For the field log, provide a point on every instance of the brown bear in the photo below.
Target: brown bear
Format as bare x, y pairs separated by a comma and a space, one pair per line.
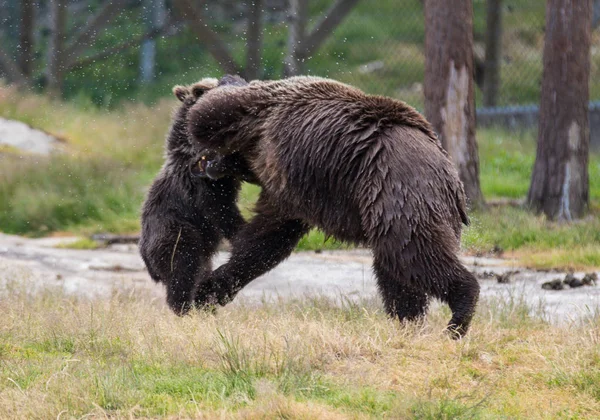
364, 169
186, 214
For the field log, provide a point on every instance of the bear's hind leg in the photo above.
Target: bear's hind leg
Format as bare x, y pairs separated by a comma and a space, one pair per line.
462, 298
441, 273
400, 299
408, 278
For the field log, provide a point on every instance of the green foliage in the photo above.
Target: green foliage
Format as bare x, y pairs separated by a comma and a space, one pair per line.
115, 78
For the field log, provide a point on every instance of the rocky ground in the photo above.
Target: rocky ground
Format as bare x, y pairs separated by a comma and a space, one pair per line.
38, 263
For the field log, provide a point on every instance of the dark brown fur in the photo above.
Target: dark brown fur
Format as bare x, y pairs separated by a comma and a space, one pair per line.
364, 169
185, 216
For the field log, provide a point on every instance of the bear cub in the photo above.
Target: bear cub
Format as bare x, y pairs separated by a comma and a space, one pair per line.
186, 214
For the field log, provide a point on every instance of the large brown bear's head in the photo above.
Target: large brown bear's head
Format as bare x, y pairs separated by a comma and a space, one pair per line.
202, 163
213, 121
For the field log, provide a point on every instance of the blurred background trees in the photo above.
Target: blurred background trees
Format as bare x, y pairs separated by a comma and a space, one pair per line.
135, 49
65, 47
99, 53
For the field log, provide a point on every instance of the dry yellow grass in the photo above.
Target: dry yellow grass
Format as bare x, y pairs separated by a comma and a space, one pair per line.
128, 356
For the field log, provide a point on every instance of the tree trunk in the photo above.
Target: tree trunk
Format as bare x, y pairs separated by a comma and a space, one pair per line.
559, 184
56, 56
153, 17
493, 42
26, 37
298, 15
449, 96
10, 69
254, 40
11, 27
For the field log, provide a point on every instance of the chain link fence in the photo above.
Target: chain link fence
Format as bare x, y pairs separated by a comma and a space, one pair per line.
380, 48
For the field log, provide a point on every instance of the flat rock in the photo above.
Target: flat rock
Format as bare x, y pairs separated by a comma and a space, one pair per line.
21, 136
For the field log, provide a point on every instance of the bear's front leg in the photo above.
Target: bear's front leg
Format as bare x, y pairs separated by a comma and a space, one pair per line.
262, 244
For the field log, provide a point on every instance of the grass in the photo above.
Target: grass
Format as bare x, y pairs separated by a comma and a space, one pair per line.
98, 183
506, 161
129, 356
534, 240
81, 243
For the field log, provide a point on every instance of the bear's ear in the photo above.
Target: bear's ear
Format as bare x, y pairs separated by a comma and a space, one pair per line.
198, 91
181, 92
229, 80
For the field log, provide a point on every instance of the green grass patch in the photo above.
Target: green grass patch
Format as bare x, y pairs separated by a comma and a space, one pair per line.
445, 409
533, 239
580, 257
506, 163
513, 228
586, 381
159, 387
97, 183
61, 193
81, 243
8, 151
316, 240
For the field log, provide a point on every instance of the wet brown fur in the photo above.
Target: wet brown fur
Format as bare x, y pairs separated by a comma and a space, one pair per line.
185, 217
364, 169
